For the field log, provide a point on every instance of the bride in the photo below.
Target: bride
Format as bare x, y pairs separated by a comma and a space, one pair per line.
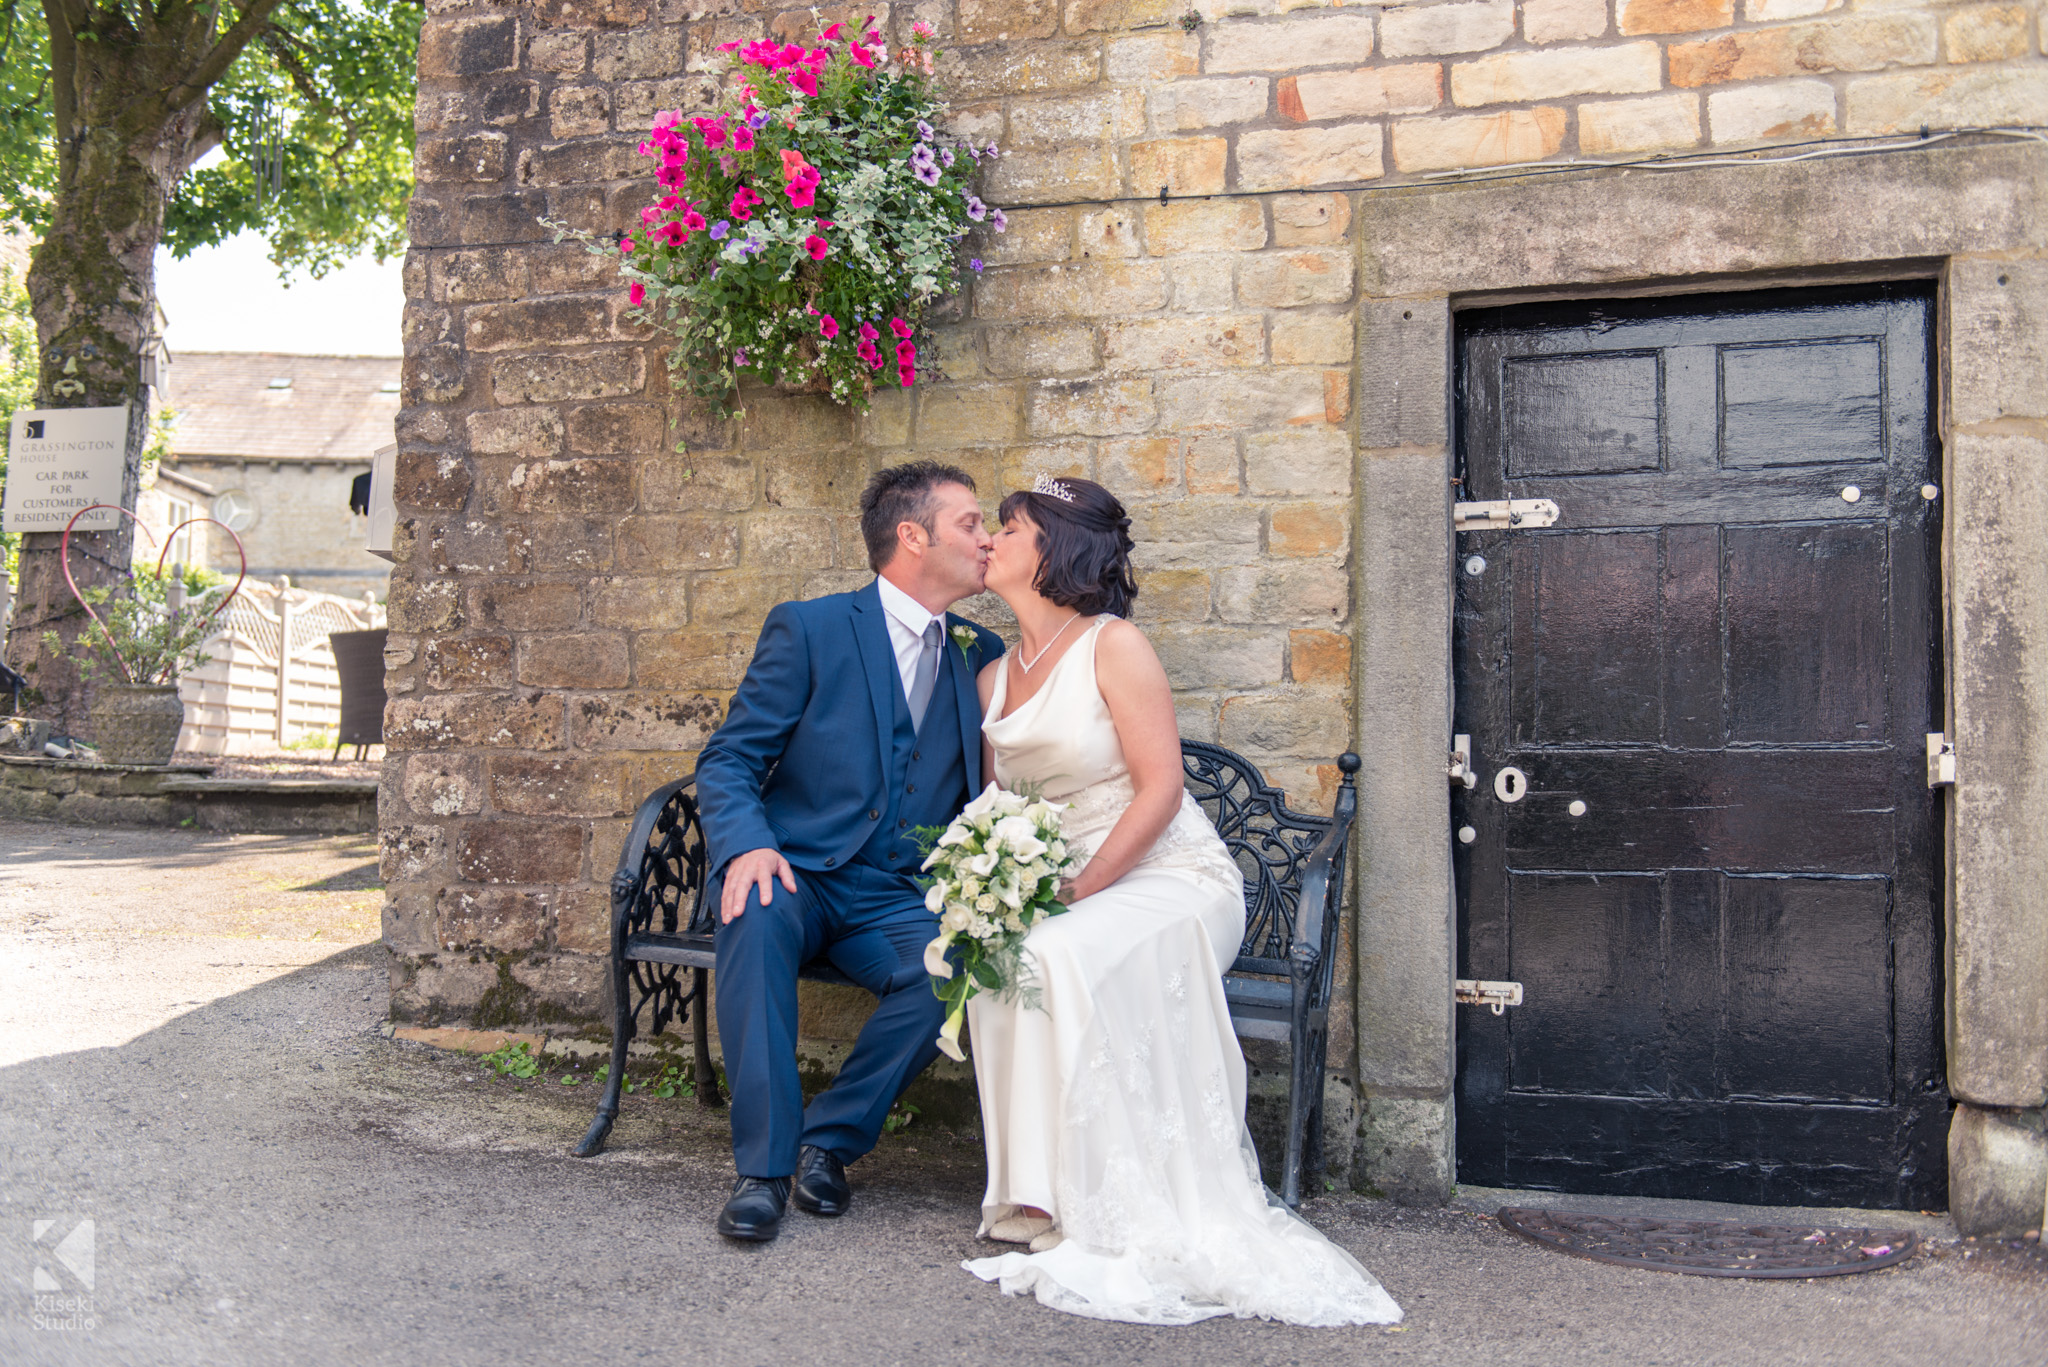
1113, 1110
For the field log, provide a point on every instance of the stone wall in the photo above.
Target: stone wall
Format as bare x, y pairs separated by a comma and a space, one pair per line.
1258, 366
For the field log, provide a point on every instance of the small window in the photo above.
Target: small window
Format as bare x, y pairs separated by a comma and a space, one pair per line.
281, 382
388, 387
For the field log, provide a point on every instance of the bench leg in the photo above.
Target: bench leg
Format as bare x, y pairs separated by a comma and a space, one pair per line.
706, 1077
600, 1129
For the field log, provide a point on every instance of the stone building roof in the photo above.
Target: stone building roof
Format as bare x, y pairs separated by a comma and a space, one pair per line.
266, 405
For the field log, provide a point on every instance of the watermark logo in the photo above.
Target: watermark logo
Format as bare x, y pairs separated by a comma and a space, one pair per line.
64, 1275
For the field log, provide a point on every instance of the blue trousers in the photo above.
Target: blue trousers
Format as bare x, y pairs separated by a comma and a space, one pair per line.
872, 926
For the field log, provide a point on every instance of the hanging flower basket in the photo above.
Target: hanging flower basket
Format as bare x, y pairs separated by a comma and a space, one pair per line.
801, 230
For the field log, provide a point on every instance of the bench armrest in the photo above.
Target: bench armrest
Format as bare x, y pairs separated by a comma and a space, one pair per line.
633, 855
1312, 912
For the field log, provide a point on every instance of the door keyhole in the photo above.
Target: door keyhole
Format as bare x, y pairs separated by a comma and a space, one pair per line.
1511, 784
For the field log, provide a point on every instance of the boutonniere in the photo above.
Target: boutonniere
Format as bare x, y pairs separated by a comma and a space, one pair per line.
964, 637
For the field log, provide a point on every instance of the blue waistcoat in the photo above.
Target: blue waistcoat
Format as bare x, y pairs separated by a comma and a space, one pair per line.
927, 781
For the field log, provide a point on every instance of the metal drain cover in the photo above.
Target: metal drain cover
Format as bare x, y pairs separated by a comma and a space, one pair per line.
1712, 1248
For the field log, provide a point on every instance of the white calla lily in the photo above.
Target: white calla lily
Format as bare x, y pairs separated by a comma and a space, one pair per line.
935, 957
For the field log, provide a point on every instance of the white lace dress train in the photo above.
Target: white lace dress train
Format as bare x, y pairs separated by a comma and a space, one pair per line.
1119, 1106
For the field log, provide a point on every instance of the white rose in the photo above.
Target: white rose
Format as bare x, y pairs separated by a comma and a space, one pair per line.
1056, 850
956, 920
1042, 814
985, 903
1015, 921
1009, 804
969, 889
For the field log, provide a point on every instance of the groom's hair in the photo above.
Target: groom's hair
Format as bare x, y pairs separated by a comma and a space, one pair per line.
899, 494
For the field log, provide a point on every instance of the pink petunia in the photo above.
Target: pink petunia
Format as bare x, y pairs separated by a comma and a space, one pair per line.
672, 234
672, 176
817, 247
900, 328
793, 163
648, 215
868, 333
828, 327
637, 293
626, 244
906, 353
732, 46
860, 54
829, 34
907, 374
743, 202
802, 196
712, 131
693, 220
804, 80
743, 139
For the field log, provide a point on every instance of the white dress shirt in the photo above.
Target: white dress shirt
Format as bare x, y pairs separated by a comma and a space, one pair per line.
907, 622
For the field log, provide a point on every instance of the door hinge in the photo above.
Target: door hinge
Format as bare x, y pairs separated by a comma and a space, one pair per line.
1503, 513
1461, 762
1481, 992
1941, 759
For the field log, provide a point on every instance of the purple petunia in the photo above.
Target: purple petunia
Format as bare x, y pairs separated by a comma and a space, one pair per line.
928, 172
758, 120
974, 262
1001, 224
739, 357
924, 130
976, 210
946, 157
719, 229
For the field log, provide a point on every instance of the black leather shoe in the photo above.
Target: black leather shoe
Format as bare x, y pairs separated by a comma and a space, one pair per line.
754, 1210
821, 1185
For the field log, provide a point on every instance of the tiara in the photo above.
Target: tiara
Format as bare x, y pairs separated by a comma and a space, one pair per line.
1052, 488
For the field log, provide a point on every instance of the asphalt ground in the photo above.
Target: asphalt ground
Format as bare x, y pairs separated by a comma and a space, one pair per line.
190, 1058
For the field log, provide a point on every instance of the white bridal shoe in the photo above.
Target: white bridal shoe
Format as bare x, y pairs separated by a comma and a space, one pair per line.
1020, 1229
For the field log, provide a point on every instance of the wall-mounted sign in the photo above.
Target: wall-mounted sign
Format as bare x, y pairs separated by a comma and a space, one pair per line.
60, 460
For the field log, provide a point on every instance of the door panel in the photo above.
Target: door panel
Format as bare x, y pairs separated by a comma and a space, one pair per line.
1728, 951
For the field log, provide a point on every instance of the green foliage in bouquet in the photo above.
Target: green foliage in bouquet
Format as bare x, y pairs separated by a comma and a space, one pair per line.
803, 227
146, 640
995, 873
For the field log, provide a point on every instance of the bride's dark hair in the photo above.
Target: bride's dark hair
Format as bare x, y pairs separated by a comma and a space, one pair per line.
1084, 546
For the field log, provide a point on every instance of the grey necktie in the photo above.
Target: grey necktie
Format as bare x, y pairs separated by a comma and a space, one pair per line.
926, 677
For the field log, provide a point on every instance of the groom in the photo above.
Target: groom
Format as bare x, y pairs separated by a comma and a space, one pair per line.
857, 723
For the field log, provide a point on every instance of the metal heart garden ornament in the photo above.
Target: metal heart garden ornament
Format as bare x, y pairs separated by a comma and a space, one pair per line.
141, 659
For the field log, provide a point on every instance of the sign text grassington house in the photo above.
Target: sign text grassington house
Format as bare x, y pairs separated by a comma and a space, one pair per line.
1754, 291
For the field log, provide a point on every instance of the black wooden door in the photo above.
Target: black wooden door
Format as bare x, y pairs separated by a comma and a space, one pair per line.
1717, 672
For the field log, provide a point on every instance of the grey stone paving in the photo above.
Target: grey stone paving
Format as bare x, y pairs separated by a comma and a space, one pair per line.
272, 1181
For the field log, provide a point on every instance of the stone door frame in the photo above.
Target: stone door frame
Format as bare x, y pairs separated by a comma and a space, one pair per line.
1972, 215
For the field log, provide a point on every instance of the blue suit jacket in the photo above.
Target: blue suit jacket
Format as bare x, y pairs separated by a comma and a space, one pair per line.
803, 756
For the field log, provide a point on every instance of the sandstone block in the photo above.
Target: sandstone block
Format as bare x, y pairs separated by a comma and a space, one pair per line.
551, 377
1985, 33
1146, 58
491, 918
1052, 174
525, 785
1185, 166
479, 157
1217, 225
496, 851
1309, 461
583, 920
474, 547
1950, 98
1041, 349
952, 416
505, 217
1312, 338
1107, 234
518, 721
1064, 120
1319, 657
579, 485
468, 661
1202, 284
1085, 290
579, 111
409, 922
1842, 44
637, 54
1139, 467
443, 785
1422, 30
1309, 529
1144, 345
714, 660
468, 45
650, 542
1774, 11
643, 721
1085, 16
430, 480
568, 269
1337, 154
561, 544
1782, 109
561, 54
1194, 716
1020, 466
562, 321
432, 605
478, 276
1668, 120
887, 421
1998, 1169
617, 429
1278, 398
999, 21
1219, 657
658, 603
584, 659
1021, 68
1308, 220
499, 103
1035, 235
1290, 44
1183, 106
1513, 135
1520, 77
1563, 21
1287, 280
433, 374
1292, 595
526, 605
740, 601
829, 479
1675, 16
1096, 408
1173, 595
1998, 339
1196, 532
1368, 92
1295, 722
407, 854
521, 431
789, 541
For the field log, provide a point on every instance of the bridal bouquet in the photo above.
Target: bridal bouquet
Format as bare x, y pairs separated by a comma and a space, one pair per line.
996, 872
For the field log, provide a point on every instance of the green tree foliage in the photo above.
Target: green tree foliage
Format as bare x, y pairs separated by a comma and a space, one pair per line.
324, 91
17, 376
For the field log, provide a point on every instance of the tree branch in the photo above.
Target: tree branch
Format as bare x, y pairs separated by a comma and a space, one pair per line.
216, 62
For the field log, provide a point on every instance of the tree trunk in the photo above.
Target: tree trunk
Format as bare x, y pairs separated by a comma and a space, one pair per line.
92, 287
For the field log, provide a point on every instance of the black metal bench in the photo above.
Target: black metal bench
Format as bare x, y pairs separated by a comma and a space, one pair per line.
1279, 987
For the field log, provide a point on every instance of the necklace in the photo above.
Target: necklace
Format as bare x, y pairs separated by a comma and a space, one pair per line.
1048, 645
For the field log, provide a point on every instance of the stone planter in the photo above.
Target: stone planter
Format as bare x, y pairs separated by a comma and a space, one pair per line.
136, 723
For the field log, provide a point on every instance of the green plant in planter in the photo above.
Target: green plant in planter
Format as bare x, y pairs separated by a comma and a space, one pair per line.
146, 640
805, 225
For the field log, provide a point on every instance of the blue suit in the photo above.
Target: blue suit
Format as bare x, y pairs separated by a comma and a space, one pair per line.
818, 759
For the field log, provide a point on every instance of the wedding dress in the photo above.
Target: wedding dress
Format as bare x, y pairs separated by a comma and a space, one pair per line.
1119, 1106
